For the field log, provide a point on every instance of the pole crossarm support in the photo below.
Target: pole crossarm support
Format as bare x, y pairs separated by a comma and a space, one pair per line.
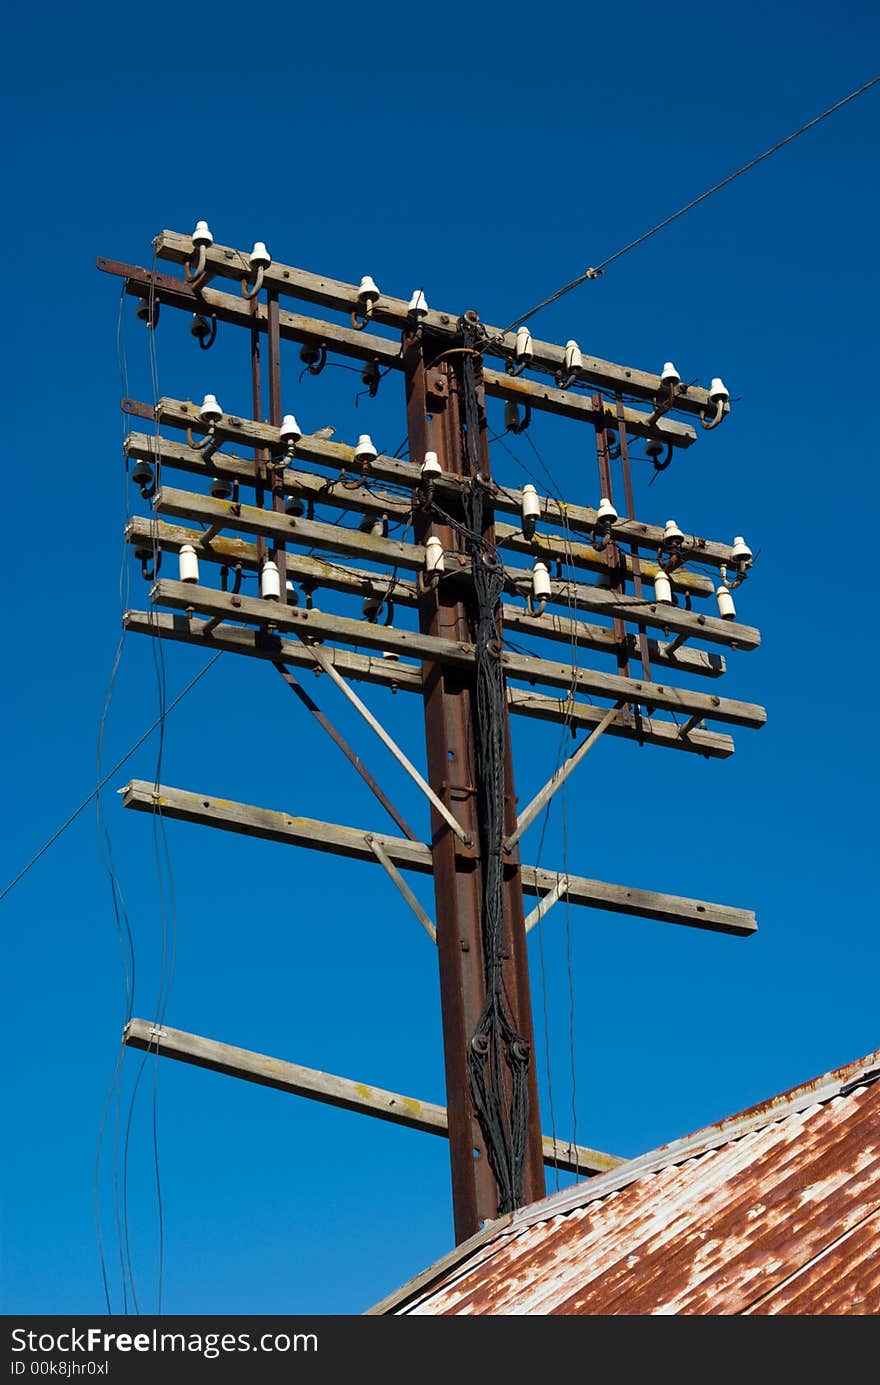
556, 780
272, 825
325, 1087
338, 739
391, 870
318, 625
364, 346
326, 663
403, 676
337, 456
226, 262
546, 902
316, 572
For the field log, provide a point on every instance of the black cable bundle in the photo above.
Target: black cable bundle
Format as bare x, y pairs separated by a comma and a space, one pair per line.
495, 1041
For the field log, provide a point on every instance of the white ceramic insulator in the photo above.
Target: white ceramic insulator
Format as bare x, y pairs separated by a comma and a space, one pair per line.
573, 358
663, 589
434, 557
531, 504
540, 582
524, 348
726, 606
189, 564
270, 582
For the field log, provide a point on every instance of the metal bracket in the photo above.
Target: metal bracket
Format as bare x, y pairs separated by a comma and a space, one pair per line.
528, 815
384, 859
321, 658
545, 904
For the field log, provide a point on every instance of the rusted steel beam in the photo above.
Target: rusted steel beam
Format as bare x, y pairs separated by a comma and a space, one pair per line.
434, 424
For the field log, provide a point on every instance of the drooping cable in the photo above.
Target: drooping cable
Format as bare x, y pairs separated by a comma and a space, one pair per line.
105, 848
160, 843
68, 822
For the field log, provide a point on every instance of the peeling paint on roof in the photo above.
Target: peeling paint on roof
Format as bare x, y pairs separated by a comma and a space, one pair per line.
775, 1211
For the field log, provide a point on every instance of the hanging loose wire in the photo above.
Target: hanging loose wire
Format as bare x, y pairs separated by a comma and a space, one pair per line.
568, 540
162, 854
68, 822
594, 271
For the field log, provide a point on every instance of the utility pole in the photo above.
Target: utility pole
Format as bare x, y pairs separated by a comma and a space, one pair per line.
465, 577
434, 421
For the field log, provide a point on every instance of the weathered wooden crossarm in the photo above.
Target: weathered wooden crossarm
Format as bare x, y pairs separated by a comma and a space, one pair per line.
403, 676
271, 825
317, 572
333, 456
330, 1090
640, 611
366, 346
306, 533
228, 263
320, 625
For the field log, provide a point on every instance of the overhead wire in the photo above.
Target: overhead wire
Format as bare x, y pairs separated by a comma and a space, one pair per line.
595, 270
69, 821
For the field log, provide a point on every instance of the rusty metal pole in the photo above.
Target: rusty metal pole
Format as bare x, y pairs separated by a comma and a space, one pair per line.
434, 424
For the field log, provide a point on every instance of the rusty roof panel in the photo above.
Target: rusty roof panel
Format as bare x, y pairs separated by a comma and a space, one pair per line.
777, 1211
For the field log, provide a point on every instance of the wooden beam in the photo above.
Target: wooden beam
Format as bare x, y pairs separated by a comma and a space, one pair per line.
366, 346
555, 548
336, 457
306, 533
228, 514
651, 730
402, 676
319, 625
317, 572
562, 629
324, 1087
640, 611
227, 263
326, 837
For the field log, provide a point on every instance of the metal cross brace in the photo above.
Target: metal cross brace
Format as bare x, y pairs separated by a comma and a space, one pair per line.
384, 859
327, 665
545, 904
528, 815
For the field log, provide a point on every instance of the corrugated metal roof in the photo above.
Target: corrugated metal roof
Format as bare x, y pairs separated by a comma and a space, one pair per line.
774, 1211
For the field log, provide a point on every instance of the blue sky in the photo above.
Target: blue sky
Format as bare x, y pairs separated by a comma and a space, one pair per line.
488, 158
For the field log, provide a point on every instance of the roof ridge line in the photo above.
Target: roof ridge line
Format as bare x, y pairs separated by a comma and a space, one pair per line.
838, 1082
